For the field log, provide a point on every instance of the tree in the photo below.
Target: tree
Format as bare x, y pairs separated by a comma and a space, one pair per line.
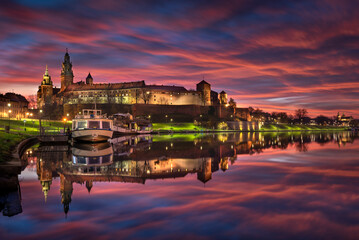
301, 113
32, 101
280, 117
163, 101
232, 103
145, 95
323, 120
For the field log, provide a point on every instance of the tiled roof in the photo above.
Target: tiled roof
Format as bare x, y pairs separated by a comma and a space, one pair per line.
167, 88
105, 86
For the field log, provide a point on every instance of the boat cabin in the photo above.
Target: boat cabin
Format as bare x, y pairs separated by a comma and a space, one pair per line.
91, 119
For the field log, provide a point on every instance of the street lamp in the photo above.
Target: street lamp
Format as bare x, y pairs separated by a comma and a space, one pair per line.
40, 127
64, 120
9, 112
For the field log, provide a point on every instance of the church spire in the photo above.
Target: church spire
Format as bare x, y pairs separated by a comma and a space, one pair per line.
46, 71
46, 80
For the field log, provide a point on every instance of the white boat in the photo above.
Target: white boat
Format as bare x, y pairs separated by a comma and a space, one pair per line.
91, 126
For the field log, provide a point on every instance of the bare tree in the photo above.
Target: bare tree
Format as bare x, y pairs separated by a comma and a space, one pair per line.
137, 94
32, 101
145, 95
163, 101
232, 103
301, 113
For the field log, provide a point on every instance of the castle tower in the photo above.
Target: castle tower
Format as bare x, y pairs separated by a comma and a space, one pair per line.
44, 173
205, 89
66, 192
206, 174
223, 98
45, 92
67, 76
89, 79
89, 185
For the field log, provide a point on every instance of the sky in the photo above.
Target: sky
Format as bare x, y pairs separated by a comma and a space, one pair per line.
275, 55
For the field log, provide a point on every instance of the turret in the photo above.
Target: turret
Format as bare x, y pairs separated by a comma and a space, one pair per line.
67, 76
89, 79
45, 92
89, 185
223, 98
205, 89
66, 192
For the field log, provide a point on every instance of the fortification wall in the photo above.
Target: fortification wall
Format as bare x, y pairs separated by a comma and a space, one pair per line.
159, 112
244, 125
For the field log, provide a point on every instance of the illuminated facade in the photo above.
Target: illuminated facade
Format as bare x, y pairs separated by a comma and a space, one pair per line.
13, 105
138, 92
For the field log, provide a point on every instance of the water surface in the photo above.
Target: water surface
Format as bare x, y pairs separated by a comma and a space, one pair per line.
222, 186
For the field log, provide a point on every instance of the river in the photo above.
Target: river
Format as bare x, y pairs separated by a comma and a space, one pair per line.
188, 186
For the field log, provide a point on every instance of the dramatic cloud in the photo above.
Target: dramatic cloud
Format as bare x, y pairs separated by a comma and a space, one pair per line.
276, 55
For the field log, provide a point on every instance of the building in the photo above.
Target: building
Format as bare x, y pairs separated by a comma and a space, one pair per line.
343, 120
137, 92
13, 105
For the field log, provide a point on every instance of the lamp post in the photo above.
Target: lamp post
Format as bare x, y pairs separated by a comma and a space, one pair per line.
40, 128
9, 112
64, 120
24, 125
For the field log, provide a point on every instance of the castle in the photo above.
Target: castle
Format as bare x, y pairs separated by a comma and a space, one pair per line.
72, 94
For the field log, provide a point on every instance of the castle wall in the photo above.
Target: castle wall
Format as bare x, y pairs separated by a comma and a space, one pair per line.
244, 125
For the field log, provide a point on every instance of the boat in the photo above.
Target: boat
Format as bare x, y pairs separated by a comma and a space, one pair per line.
91, 126
125, 123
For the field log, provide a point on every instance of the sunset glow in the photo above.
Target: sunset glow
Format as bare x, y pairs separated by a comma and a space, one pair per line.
278, 56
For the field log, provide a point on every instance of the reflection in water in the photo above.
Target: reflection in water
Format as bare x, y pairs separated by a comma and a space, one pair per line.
10, 194
141, 159
134, 159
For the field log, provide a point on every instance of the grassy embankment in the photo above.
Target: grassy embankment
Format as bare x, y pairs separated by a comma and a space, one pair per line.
8, 141
182, 127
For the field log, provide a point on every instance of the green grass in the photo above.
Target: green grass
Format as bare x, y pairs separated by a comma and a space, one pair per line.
32, 126
8, 141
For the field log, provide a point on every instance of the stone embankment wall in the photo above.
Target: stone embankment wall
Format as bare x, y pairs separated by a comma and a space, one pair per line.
187, 112
244, 125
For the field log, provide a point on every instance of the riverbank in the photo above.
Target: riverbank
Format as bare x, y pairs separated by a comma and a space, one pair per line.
20, 131
190, 127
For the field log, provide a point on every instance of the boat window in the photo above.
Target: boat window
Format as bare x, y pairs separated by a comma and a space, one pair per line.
105, 124
81, 160
106, 159
94, 124
82, 124
94, 160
